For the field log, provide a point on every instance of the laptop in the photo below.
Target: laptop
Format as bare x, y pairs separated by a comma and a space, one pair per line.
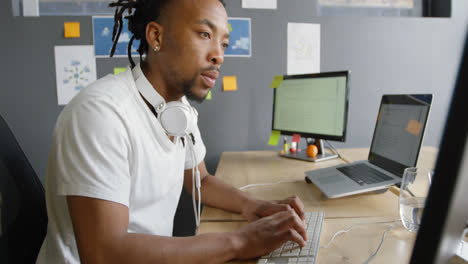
396, 142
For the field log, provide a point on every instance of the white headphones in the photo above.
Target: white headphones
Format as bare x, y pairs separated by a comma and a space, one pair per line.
179, 120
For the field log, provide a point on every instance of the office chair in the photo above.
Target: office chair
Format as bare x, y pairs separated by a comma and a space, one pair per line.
23, 207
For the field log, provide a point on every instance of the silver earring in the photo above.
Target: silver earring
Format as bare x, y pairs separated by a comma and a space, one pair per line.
156, 48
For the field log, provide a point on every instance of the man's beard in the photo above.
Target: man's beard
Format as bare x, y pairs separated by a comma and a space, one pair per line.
188, 85
187, 89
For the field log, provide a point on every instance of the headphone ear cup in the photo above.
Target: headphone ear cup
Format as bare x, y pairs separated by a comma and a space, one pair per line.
176, 119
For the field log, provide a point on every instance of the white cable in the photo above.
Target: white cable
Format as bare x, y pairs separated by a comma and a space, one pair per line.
199, 197
264, 184
336, 151
381, 242
332, 147
193, 181
353, 226
196, 182
193, 186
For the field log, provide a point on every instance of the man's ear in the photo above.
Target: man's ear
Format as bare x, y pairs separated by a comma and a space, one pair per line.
154, 35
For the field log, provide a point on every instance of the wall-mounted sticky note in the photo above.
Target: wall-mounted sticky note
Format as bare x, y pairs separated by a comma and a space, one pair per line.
72, 29
277, 80
208, 96
414, 127
229, 83
119, 70
296, 138
274, 138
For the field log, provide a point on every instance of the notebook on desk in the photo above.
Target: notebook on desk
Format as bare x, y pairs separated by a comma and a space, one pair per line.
396, 142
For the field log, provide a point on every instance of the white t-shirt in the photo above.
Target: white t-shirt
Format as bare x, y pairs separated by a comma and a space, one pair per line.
108, 145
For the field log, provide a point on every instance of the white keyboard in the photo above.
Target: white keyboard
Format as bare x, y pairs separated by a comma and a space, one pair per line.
290, 252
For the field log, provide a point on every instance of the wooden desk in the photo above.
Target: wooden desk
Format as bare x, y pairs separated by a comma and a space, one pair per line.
356, 246
243, 168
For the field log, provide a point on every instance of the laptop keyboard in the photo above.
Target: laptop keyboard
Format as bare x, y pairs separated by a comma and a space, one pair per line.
363, 174
290, 253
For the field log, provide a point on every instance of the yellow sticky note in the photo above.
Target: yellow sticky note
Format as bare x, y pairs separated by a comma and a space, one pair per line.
229, 83
276, 81
72, 29
119, 70
208, 96
274, 137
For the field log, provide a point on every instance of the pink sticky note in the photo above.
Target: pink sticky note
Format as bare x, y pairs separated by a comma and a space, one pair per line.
296, 138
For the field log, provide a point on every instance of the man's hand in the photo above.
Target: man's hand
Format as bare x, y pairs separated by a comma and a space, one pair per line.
257, 209
269, 233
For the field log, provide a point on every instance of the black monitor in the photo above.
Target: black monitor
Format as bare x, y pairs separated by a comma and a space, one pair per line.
314, 106
446, 210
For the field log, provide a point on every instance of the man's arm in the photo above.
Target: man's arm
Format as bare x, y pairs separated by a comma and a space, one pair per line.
216, 193
100, 229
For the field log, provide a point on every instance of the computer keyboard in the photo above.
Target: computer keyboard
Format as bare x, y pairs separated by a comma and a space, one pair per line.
364, 174
290, 252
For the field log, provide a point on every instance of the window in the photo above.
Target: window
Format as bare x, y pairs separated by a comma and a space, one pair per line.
371, 7
61, 7
75, 7
411, 8
414, 8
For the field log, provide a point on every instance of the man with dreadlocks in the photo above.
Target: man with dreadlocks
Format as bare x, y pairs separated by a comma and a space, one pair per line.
114, 176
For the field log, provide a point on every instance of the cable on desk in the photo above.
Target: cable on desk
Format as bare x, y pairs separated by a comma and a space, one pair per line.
336, 152
355, 225
264, 184
381, 242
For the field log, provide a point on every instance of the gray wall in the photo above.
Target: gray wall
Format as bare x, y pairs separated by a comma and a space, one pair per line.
385, 55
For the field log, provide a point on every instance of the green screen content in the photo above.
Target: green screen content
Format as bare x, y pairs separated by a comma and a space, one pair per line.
312, 105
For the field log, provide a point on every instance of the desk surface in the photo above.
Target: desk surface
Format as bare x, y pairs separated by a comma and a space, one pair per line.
243, 168
356, 246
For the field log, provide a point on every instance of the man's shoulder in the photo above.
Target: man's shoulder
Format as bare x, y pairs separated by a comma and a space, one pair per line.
110, 87
109, 90
106, 97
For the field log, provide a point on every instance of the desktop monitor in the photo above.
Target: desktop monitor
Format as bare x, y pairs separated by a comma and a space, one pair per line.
446, 211
314, 106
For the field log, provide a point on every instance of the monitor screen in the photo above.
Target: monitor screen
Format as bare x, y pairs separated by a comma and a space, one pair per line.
399, 131
312, 105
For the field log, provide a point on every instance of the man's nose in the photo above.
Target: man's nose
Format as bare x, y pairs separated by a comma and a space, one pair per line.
217, 55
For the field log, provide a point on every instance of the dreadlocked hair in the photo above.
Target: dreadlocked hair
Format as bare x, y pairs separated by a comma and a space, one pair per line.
140, 13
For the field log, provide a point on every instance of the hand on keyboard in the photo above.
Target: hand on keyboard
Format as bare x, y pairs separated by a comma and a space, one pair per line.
289, 253
269, 233
259, 208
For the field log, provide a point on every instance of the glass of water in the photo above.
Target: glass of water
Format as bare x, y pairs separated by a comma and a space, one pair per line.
413, 192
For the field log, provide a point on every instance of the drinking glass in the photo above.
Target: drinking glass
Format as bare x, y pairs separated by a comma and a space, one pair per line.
413, 192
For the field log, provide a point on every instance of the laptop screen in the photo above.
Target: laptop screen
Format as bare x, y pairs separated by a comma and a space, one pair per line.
399, 131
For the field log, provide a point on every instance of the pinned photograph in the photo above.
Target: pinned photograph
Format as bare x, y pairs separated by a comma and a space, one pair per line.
240, 39
102, 34
75, 68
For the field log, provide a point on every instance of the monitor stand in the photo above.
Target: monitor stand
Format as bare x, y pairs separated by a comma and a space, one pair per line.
321, 156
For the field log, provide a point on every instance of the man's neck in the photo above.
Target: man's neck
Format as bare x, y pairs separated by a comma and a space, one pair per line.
155, 77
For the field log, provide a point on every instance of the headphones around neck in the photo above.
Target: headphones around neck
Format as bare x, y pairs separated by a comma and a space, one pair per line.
177, 119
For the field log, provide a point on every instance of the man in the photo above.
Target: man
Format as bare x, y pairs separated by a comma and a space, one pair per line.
114, 175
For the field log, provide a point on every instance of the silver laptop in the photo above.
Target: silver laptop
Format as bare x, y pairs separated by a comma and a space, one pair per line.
397, 139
